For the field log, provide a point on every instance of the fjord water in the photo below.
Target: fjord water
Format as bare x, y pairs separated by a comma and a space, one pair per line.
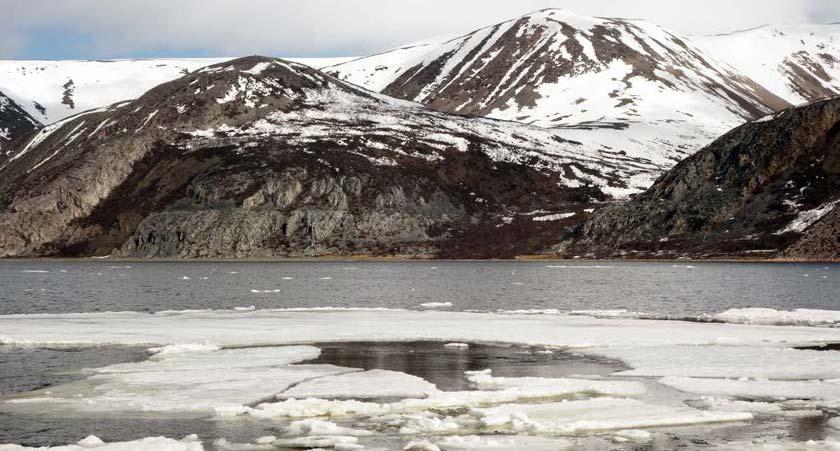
673, 289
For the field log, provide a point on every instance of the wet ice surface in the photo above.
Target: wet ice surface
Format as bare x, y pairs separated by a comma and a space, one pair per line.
429, 360
655, 288
25, 369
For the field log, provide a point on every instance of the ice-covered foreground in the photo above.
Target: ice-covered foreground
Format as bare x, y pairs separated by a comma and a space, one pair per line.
241, 366
93, 443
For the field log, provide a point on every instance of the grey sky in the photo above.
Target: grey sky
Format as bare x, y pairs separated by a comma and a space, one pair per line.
57, 29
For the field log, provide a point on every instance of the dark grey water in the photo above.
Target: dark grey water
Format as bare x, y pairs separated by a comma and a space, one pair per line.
655, 288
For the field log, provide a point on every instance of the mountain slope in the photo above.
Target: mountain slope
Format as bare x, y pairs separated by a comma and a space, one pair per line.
14, 122
53, 90
628, 84
800, 63
263, 157
768, 188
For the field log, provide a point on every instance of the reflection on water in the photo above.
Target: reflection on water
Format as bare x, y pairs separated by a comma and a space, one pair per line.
445, 367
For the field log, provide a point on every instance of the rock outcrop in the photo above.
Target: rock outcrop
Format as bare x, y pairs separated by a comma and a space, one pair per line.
769, 188
14, 123
259, 157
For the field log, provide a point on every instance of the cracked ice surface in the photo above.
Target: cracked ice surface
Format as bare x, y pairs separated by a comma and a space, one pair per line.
242, 364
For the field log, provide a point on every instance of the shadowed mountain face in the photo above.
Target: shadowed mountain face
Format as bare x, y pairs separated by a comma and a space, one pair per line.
625, 84
263, 157
768, 188
14, 123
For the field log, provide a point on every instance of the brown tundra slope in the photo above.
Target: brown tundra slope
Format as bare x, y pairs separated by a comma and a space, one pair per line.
259, 157
770, 188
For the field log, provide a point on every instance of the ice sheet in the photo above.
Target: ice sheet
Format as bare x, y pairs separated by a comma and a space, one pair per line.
279, 327
726, 361
190, 443
363, 385
757, 389
593, 415
197, 382
802, 317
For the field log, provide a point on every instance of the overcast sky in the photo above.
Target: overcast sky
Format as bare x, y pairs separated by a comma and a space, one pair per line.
64, 29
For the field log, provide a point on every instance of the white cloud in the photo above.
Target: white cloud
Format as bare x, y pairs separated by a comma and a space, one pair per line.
344, 27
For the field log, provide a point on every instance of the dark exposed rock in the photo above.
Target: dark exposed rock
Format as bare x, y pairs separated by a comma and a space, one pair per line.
14, 123
260, 157
743, 195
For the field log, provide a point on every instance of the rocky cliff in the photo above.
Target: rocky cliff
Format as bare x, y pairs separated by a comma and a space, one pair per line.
769, 188
260, 157
14, 123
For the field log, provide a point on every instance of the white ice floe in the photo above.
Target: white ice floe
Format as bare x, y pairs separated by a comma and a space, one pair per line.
484, 380
189, 443
323, 428
188, 348
779, 445
229, 328
431, 305
726, 360
634, 435
594, 415
761, 389
798, 317
458, 346
362, 385
181, 382
501, 443
234, 381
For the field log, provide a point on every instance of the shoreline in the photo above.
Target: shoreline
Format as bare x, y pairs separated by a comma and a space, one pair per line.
415, 259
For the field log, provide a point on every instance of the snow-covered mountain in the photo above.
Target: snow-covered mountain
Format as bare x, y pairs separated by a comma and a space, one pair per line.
53, 90
258, 156
636, 86
14, 121
800, 63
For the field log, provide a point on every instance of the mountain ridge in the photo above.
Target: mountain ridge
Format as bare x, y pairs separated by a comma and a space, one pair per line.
259, 157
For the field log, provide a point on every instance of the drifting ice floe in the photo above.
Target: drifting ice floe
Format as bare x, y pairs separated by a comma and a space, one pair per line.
93, 443
191, 379
207, 362
362, 385
799, 317
431, 305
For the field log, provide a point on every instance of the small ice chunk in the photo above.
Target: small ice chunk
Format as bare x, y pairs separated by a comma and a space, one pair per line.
362, 385
189, 443
421, 445
433, 305
189, 348
772, 317
323, 428
460, 346
634, 435
90, 441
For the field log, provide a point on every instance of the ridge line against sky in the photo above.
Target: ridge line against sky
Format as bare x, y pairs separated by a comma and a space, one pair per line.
112, 29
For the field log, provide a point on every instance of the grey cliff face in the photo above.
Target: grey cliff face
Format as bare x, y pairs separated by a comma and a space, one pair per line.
767, 188
260, 157
15, 122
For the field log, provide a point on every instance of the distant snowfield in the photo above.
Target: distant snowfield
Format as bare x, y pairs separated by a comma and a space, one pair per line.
238, 365
778, 57
97, 83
